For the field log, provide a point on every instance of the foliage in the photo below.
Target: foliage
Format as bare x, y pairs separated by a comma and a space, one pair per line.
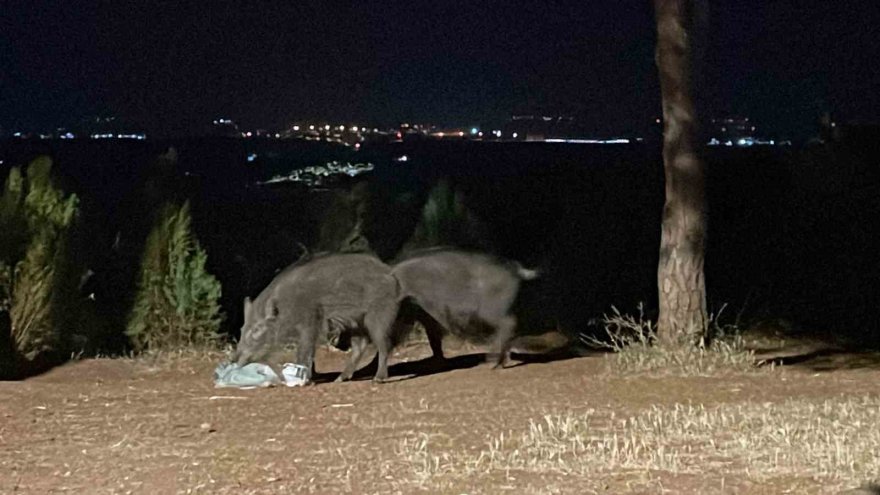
177, 300
633, 340
446, 221
36, 218
12, 219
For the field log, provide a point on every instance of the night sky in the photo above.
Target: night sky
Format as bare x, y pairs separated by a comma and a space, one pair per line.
171, 67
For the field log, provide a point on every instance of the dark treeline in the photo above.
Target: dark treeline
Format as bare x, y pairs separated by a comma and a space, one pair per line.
791, 231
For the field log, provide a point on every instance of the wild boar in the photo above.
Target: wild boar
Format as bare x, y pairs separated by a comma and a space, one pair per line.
351, 292
468, 294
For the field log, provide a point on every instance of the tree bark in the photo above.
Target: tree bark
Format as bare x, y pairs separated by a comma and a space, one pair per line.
681, 284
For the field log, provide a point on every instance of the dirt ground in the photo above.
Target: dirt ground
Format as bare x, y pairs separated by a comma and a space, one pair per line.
141, 426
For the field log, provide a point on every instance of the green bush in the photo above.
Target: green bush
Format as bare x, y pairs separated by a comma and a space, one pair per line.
177, 300
13, 221
35, 218
447, 221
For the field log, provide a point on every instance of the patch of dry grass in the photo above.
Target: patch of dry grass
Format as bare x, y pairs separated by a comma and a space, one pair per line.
184, 359
632, 341
834, 443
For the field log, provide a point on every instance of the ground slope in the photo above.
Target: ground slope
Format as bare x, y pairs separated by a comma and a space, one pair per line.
564, 426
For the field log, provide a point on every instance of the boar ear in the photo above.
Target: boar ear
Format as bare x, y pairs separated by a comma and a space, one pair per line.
248, 306
271, 309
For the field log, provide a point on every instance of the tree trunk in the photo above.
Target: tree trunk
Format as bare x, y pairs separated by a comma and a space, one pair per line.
682, 288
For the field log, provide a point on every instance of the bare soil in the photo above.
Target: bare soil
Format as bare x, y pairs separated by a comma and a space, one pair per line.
141, 426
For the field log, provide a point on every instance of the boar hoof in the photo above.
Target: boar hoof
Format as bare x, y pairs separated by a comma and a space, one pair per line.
498, 361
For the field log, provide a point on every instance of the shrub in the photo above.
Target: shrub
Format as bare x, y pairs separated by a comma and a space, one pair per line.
177, 300
632, 339
446, 221
13, 222
36, 218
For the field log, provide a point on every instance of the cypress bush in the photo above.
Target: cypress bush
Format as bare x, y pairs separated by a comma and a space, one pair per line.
447, 221
35, 218
177, 301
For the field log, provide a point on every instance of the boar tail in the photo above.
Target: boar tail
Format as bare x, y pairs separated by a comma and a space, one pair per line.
526, 274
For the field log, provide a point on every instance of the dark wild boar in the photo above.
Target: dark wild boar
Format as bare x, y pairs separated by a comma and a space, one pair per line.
350, 292
467, 294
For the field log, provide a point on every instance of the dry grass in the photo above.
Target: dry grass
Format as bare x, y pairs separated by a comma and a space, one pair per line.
184, 359
834, 443
632, 341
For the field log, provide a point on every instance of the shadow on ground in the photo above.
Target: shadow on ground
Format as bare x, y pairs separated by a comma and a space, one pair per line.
821, 357
430, 366
18, 369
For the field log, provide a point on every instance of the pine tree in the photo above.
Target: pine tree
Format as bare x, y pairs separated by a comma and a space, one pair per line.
681, 283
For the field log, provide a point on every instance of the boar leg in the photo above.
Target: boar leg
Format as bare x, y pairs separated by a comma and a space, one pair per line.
379, 324
503, 340
358, 346
407, 316
305, 350
434, 332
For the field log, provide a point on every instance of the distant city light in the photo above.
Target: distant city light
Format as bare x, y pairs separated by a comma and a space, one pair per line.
474, 130
249, 134
480, 134
748, 141
354, 128
401, 158
316, 175
363, 129
327, 127
251, 157
296, 128
515, 135
589, 141
139, 137
342, 128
